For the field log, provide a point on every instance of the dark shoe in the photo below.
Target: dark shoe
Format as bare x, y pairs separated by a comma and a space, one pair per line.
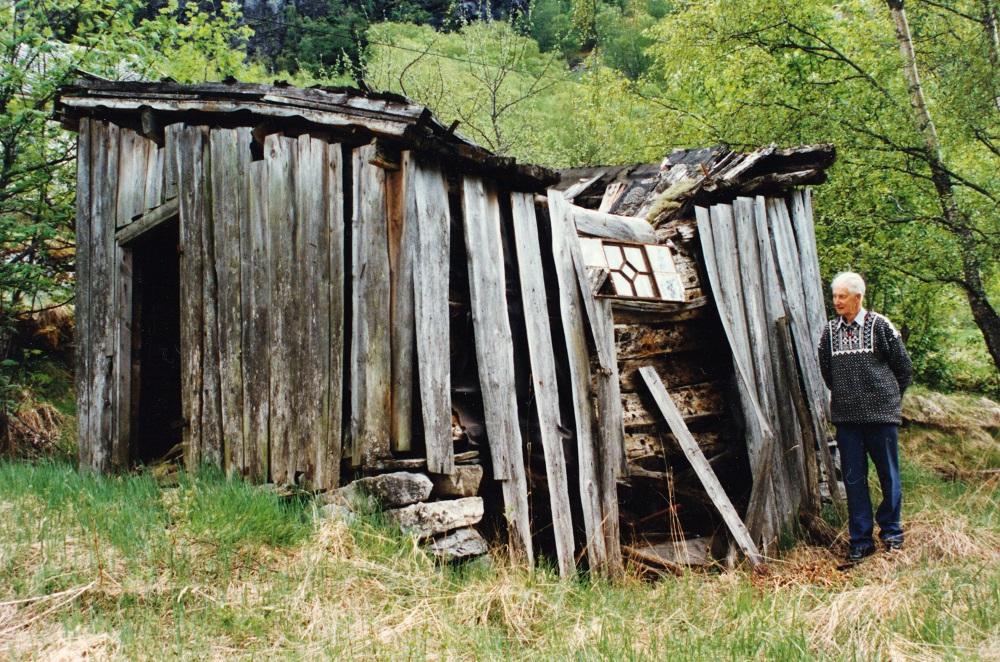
856, 554
893, 545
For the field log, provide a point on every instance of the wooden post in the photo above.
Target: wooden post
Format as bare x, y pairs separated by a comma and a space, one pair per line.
83, 353
256, 300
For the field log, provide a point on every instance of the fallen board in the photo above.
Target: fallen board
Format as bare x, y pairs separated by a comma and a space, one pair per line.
700, 464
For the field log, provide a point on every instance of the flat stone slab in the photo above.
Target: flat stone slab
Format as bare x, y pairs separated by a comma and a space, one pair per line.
457, 545
463, 482
391, 490
429, 519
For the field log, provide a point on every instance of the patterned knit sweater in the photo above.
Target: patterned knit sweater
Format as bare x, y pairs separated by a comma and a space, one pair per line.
866, 369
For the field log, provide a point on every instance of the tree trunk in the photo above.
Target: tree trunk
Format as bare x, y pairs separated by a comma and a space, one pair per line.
989, 20
983, 312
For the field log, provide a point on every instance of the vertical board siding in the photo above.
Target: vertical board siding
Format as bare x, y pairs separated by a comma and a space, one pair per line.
104, 175
494, 351
328, 450
371, 368
279, 152
83, 354
229, 157
400, 207
255, 302
427, 200
543, 374
575, 338
212, 451
185, 144
312, 248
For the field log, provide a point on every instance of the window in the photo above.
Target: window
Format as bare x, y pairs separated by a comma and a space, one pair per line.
644, 271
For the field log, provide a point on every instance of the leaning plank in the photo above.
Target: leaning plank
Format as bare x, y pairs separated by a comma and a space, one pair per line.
183, 142
786, 356
432, 222
83, 351
151, 220
812, 285
494, 350
612, 226
701, 466
611, 436
757, 424
401, 211
279, 156
230, 150
371, 367
543, 374
760, 351
255, 302
575, 339
786, 254
579, 187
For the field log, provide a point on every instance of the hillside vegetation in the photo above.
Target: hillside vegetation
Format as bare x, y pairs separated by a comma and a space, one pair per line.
124, 568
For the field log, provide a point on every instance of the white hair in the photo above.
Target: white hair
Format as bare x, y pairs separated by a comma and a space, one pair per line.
850, 281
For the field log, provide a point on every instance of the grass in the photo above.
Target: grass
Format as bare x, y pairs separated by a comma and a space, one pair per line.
120, 568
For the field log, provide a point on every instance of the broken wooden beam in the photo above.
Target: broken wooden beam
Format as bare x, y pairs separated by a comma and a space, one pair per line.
701, 466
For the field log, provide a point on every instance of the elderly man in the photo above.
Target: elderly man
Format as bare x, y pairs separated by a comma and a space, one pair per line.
866, 368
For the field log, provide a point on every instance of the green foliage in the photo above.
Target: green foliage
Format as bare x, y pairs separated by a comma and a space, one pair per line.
327, 45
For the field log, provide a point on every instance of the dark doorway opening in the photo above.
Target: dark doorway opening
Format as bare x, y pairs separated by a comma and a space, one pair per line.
158, 422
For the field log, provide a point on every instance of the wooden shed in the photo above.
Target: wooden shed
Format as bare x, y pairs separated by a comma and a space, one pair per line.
309, 286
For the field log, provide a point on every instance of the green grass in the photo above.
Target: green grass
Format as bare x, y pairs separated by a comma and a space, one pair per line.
124, 569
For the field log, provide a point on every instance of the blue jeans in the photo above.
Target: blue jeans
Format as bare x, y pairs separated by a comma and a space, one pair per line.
857, 441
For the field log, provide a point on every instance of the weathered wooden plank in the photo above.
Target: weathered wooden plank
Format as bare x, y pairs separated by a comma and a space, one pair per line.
122, 378
371, 367
579, 187
698, 401
431, 266
312, 248
702, 468
788, 267
543, 374
401, 212
102, 294
761, 354
255, 303
676, 370
131, 181
812, 284
644, 341
653, 446
575, 339
279, 154
212, 451
328, 449
153, 189
611, 433
612, 226
151, 220
759, 432
185, 144
609, 401
230, 152
83, 350
170, 161
494, 351
786, 355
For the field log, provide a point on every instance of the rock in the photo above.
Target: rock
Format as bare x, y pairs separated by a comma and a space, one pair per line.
392, 490
457, 545
428, 519
336, 511
463, 482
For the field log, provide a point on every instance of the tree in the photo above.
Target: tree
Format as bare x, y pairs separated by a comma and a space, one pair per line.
910, 201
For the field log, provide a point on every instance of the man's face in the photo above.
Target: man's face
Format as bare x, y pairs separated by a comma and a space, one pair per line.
846, 304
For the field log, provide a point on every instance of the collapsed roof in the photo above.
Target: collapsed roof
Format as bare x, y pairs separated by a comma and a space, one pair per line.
690, 177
